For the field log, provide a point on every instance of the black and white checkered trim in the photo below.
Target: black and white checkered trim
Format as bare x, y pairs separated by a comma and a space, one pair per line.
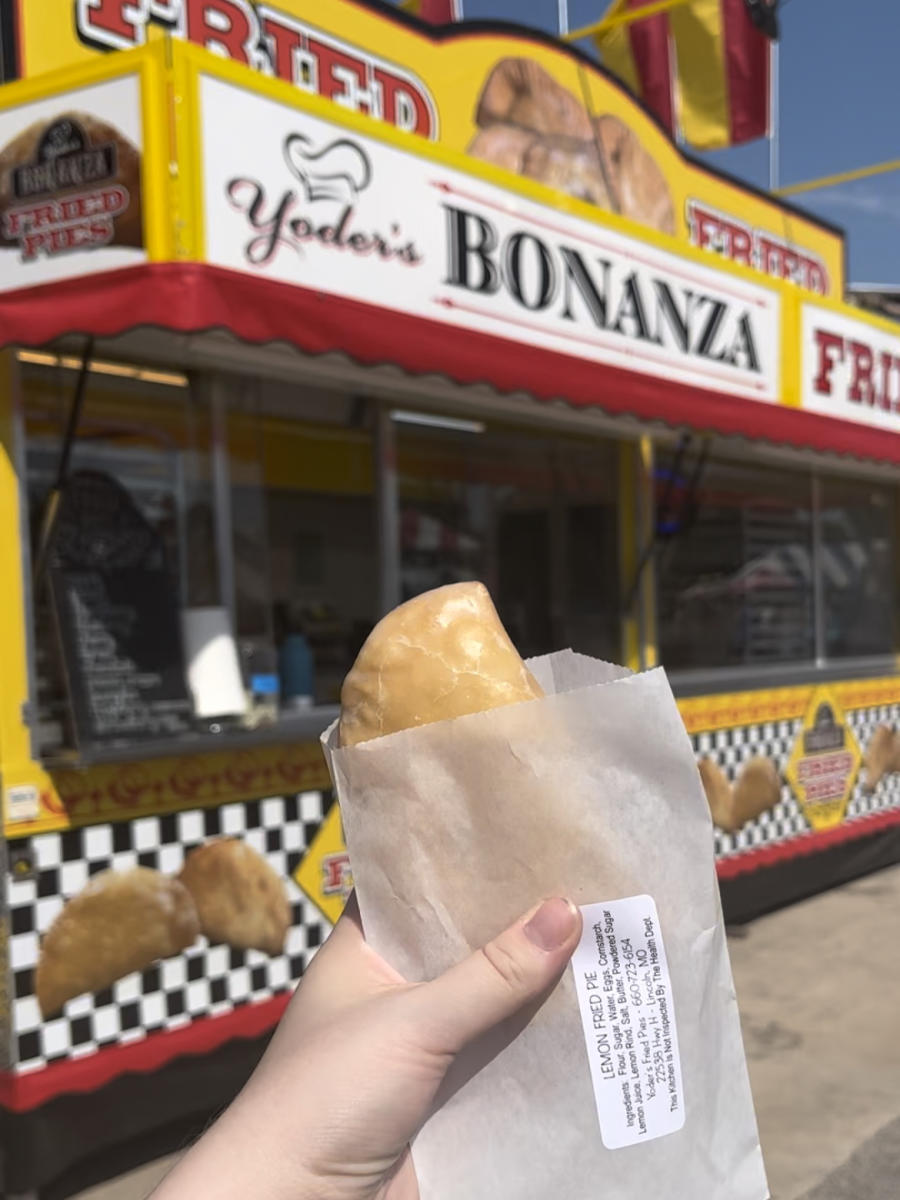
731, 748
206, 980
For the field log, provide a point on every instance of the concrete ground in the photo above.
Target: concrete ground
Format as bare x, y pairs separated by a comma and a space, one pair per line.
819, 988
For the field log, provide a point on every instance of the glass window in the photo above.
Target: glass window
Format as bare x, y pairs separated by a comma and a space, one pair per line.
858, 572
201, 521
734, 565
321, 534
532, 516
119, 551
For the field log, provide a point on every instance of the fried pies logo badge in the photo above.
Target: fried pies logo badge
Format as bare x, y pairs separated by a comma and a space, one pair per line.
824, 763
66, 196
320, 207
324, 873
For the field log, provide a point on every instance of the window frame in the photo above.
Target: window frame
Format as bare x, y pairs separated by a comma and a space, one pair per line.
213, 385
820, 667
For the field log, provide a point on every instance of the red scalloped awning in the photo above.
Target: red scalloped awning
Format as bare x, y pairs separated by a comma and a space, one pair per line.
193, 297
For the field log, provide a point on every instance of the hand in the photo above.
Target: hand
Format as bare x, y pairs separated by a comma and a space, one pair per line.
355, 1066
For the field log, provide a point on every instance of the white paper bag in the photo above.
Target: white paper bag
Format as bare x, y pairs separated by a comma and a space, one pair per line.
455, 829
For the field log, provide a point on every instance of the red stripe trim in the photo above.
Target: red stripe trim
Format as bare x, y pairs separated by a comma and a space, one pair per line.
746, 73
807, 843
190, 297
22, 1092
652, 52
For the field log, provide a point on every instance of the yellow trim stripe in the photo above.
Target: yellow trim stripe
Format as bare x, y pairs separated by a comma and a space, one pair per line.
15, 741
72, 798
707, 714
157, 155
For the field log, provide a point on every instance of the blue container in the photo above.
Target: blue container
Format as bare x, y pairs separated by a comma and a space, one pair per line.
297, 669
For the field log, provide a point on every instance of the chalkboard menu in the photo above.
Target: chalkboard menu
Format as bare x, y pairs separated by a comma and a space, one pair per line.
117, 612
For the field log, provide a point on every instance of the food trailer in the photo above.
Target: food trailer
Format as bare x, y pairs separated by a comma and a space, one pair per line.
303, 313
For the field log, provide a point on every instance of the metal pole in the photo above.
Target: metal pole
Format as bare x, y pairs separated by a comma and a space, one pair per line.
818, 579
20, 466
54, 498
388, 511
221, 482
773, 116
563, 8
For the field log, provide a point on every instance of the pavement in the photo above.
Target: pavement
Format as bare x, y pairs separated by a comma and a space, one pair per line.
819, 990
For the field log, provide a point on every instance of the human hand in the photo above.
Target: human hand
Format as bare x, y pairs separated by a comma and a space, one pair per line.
356, 1064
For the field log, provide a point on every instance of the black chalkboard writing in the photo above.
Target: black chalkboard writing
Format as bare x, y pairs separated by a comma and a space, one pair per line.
117, 613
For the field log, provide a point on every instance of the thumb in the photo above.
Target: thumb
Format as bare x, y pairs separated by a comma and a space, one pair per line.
520, 966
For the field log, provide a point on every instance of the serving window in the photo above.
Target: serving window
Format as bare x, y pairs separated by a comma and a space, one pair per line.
209, 552
117, 492
206, 564
859, 568
763, 566
532, 515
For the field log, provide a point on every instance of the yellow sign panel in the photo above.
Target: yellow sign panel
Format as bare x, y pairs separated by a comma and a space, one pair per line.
517, 100
324, 872
65, 799
824, 763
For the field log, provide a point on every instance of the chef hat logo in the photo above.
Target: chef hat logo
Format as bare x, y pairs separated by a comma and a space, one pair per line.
824, 717
338, 171
826, 733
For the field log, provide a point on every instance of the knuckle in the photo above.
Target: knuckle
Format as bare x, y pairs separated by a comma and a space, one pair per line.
507, 969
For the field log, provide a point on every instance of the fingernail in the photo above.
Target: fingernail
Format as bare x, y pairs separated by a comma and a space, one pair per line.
552, 924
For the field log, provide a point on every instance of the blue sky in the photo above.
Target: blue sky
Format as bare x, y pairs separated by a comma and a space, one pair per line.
839, 110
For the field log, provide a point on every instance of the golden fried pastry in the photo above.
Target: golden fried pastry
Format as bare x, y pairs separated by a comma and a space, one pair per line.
882, 756
568, 165
240, 899
718, 792
640, 186
575, 171
23, 151
503, 146
123, 921
530, 124
443, 654
520, 92
756, 790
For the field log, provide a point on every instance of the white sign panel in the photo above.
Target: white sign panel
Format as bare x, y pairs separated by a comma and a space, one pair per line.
70, 185
851, 369
307, 202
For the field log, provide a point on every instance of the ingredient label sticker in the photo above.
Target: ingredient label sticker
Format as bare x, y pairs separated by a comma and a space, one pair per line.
625, 998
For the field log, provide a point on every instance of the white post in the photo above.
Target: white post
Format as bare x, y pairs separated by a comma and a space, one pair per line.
563, 7
773, 116
457, 10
